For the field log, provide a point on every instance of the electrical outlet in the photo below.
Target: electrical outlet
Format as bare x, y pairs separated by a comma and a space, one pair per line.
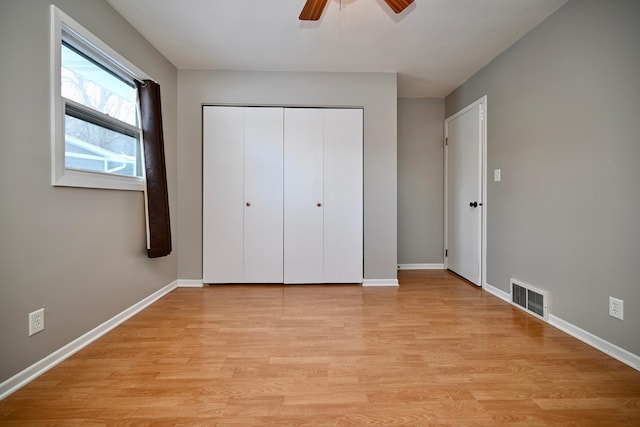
36, 321
616, 308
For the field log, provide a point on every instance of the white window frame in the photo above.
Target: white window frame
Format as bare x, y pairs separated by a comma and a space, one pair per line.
60, 175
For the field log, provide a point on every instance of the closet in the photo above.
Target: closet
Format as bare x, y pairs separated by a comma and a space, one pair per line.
282, 195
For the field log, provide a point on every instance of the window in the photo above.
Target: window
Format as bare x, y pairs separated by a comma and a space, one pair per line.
96, 139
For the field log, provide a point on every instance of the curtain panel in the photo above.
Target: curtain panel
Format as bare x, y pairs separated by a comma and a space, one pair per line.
156, 197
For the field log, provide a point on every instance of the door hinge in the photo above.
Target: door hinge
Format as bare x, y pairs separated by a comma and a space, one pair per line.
446, 141
446, 253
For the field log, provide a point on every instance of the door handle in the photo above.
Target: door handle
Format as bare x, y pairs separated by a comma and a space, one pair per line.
248, 204
318, 204
473, 204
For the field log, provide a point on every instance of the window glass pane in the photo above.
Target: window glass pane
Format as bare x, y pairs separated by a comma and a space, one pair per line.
95, 148
91, 85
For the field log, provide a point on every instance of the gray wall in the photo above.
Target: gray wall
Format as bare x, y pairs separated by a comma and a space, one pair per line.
564, 127
420, 181
376, 92
79, 252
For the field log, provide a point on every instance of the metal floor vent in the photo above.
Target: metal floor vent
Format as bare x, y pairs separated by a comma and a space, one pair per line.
530, 299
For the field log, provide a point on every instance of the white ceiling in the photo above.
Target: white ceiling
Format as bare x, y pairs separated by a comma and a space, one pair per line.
434, 45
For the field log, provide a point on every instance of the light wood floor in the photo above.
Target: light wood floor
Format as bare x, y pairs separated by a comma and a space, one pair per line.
435, 351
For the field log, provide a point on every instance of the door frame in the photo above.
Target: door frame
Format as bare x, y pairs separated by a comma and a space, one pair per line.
483, 199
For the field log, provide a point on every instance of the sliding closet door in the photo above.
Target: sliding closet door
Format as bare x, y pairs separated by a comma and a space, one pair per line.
303, 189
343, 253
223, 158
263, 181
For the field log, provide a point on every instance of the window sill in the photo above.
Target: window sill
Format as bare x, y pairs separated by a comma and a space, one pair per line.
76, 178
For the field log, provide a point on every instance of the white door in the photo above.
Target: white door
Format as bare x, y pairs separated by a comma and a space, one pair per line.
263, 195
303, 190
343, 195
242, 195
222, 195
464, 202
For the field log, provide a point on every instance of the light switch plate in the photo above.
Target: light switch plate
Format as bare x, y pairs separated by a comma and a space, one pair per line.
496, 175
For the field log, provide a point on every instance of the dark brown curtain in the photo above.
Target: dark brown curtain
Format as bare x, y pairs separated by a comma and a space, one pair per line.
156, 173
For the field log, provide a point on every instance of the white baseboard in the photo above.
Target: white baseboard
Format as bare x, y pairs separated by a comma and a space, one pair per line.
594, 341
380, 282
420, 266
188, 283
506, 296
27, 375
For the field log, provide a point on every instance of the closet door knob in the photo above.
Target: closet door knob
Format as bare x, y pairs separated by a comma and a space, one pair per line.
248, 204
318, 204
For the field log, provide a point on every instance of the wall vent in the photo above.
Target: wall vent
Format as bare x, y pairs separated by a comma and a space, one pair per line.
530, 299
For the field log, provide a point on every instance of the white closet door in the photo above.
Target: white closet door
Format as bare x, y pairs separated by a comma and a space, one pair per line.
222, 251
343, 196
303, 195
263, 186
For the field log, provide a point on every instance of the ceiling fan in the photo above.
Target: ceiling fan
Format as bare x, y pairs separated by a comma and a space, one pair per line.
312, 9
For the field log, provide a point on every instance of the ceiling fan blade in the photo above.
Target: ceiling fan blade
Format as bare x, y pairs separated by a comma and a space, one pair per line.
398, 5
312, 10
